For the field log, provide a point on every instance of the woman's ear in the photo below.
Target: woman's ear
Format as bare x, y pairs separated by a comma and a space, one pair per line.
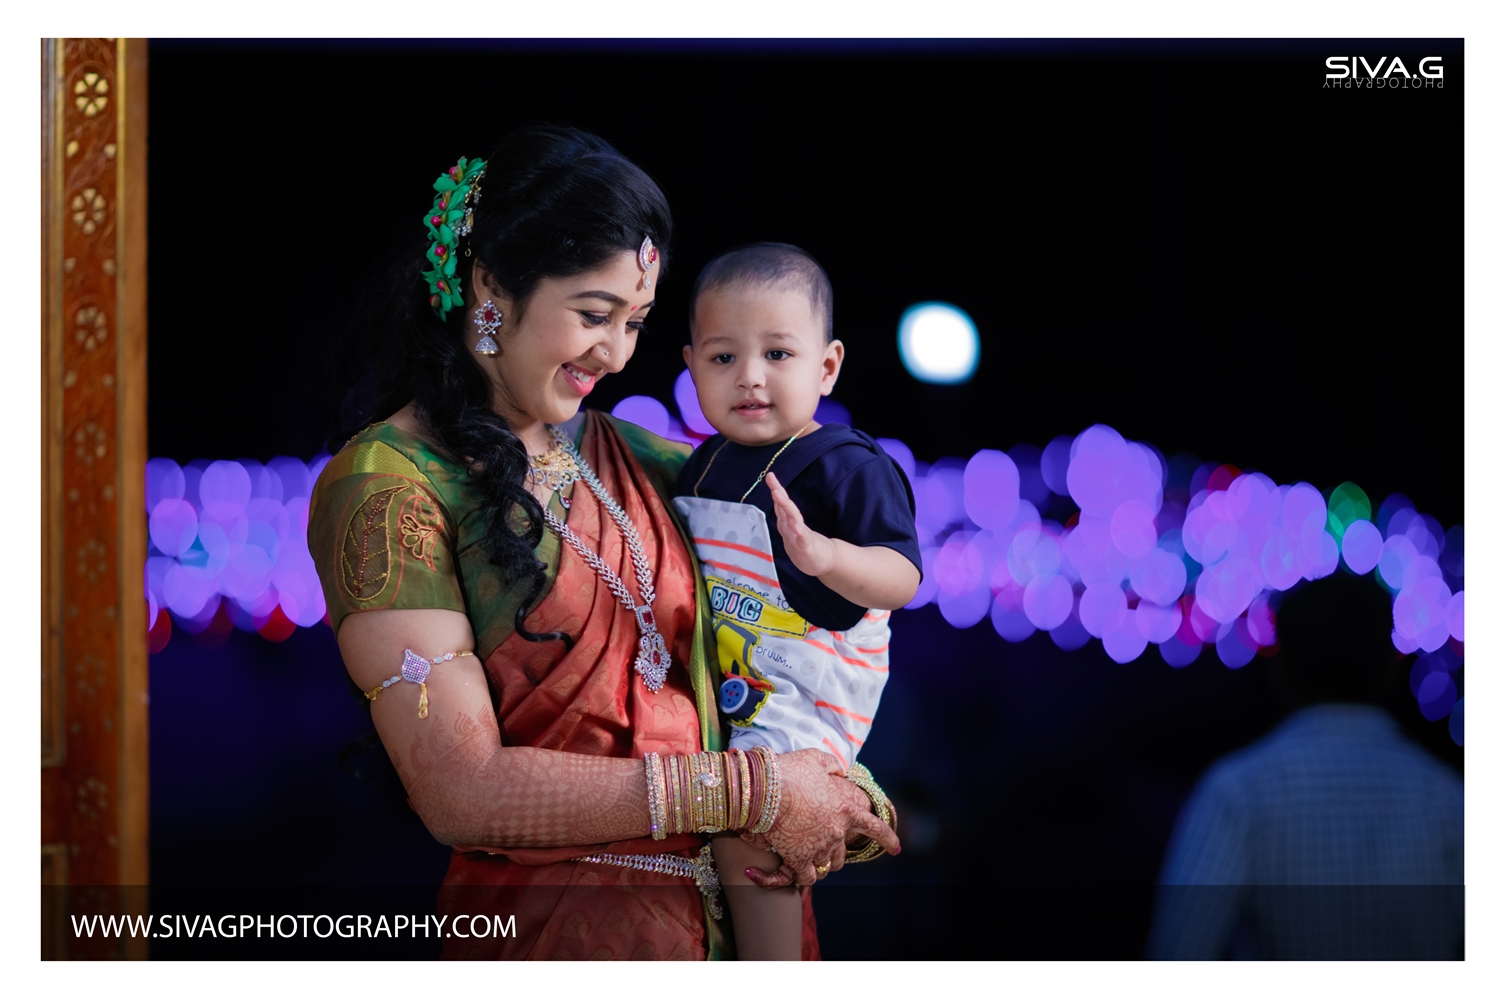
485, 286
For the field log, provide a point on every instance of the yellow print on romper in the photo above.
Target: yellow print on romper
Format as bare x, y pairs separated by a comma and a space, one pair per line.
745, 689
749, 608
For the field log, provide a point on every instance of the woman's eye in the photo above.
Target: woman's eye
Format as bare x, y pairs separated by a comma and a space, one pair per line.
595, 319
777, 355
639, 326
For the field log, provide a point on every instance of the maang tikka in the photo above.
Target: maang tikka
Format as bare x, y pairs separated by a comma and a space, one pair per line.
488, 321
647, 256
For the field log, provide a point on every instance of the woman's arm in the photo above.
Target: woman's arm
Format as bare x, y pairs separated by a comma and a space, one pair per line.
470, 790
467, 788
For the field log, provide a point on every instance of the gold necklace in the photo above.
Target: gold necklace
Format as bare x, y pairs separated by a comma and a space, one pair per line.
556, 469
763, 472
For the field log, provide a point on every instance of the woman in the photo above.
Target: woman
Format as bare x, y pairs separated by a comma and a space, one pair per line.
439, 530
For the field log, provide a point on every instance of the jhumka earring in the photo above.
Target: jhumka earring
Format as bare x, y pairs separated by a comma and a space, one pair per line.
488, 321
647, 257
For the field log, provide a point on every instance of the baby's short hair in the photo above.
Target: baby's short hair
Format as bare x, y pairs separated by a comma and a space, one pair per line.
769, 265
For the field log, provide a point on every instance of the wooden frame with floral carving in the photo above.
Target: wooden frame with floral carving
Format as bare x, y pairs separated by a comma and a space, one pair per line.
94, 652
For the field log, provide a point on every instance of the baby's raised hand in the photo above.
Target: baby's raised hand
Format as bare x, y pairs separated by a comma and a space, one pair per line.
809, 551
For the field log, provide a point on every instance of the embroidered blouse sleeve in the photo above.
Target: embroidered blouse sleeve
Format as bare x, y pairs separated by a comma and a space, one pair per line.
380, 537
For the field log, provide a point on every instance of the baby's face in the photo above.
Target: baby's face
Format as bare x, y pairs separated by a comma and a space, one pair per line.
759, 361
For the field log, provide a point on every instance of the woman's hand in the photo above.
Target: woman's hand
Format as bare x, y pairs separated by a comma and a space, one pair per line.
820, 810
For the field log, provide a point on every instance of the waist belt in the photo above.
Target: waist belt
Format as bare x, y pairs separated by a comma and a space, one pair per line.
700, 870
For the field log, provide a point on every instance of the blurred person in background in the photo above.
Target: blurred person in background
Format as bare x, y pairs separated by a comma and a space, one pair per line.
1333, 837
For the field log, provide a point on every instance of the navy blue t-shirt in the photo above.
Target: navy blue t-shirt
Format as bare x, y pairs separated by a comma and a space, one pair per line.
843, 483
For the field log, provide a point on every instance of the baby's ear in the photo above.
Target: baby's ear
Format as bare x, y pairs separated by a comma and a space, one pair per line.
687, 355
833, 362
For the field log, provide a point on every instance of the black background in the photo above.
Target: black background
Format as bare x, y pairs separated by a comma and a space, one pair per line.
1194, 242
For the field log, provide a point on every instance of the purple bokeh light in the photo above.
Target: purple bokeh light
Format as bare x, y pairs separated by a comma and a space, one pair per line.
1455, 616
992, 489
644, 411
173, 526
1008, 614
1179, 555
685, 393
1179, 654
231, 534
831, 411
1157, 622
1362, 546
1098, 604
1123, 641
1048, 601
1071, 634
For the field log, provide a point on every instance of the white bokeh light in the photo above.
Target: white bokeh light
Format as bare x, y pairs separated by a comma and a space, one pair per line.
939, 343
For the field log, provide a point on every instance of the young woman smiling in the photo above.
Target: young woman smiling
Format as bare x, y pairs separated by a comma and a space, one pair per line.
512, 592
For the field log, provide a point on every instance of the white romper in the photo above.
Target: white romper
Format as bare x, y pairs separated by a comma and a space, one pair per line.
787, 684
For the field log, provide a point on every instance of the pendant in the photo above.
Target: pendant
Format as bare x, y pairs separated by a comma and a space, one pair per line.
653, 661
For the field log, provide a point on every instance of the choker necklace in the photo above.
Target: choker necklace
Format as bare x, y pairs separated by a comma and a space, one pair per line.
556, 469
652, 660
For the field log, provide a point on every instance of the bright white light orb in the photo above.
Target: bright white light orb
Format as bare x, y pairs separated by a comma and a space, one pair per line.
939, 343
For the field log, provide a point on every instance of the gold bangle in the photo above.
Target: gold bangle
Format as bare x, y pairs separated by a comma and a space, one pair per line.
731, 792
885, 811
676, 787
758, 793
771, 797
753, 769
744, 768
775, 783
695, 793
709, 781
705, 776
721, 790
712, 787
678, 794
654, 796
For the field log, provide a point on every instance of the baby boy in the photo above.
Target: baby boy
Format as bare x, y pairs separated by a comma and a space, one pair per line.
806, 535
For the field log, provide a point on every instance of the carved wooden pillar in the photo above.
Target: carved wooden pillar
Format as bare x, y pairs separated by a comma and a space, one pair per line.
94, 652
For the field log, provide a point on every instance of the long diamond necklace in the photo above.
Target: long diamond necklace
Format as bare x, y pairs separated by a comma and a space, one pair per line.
652, 660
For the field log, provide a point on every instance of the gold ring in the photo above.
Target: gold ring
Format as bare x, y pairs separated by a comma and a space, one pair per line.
822, 869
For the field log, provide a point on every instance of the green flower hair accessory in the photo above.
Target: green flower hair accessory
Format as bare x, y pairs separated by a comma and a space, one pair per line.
451, 218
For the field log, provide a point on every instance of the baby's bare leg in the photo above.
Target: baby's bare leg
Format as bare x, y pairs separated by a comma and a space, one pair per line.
767, 922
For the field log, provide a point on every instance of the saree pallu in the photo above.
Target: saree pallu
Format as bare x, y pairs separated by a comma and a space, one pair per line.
395, 524
589, 699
